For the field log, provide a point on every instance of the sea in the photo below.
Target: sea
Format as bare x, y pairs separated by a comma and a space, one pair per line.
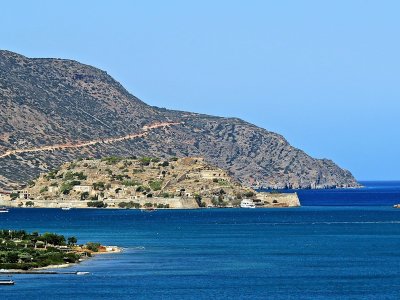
341, 244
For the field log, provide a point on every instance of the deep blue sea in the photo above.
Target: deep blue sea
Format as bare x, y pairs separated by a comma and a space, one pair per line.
373, 193
312, 252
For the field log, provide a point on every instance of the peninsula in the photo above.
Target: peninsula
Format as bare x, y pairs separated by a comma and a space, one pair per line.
145, 182
20, 250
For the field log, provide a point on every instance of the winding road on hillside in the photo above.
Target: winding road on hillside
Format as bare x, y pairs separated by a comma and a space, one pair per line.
146, 130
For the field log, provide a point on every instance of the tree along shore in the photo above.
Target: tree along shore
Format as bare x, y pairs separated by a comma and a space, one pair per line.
21, 250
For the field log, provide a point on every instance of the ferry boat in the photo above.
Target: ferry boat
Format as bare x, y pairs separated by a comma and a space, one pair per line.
247, 203
3, 210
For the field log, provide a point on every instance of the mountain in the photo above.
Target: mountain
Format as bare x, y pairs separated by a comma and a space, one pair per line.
56, 110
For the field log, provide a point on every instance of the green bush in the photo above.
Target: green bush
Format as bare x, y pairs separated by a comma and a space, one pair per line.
145, 161
97, 204
155, 185
68, 175
52, 174
29, 203
249, 194
130, 183
121, 177
129, 204
66, 187
93, 246
43, 189
12, 257
80, 175
140, 189
112, 160
98, 186
165, 164
84, 195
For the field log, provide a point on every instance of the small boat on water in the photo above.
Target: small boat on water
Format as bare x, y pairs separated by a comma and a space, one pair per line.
247, 203
82, 273
66, 208
396, 206
4, 210
7, 282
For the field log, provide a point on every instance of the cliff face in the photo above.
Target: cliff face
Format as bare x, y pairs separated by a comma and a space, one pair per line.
54, 110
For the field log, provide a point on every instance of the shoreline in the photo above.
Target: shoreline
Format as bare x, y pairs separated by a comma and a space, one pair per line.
144, 210
115, 249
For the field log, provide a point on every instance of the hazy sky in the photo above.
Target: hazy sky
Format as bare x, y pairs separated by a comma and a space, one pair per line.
325, 74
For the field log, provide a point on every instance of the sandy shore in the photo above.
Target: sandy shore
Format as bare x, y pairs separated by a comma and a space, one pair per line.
55, 266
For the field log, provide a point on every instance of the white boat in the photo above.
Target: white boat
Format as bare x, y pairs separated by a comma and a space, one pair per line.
247, 203
3, 210
6, 282
82, 273
65, 208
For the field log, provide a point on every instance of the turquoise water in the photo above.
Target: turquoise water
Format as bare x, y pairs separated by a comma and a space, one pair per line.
321, 252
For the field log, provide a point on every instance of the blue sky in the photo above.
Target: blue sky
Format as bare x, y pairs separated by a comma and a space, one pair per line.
325, 74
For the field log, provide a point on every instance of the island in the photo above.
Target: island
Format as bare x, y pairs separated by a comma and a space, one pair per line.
21, 250
141, 182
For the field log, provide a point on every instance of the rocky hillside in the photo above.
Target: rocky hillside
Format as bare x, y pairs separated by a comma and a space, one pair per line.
55, 110
141, 182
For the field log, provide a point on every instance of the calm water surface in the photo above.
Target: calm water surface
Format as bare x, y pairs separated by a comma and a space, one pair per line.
316, 252
374, 193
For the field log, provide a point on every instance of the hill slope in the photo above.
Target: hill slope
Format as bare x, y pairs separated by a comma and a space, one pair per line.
85, 112
130, 182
